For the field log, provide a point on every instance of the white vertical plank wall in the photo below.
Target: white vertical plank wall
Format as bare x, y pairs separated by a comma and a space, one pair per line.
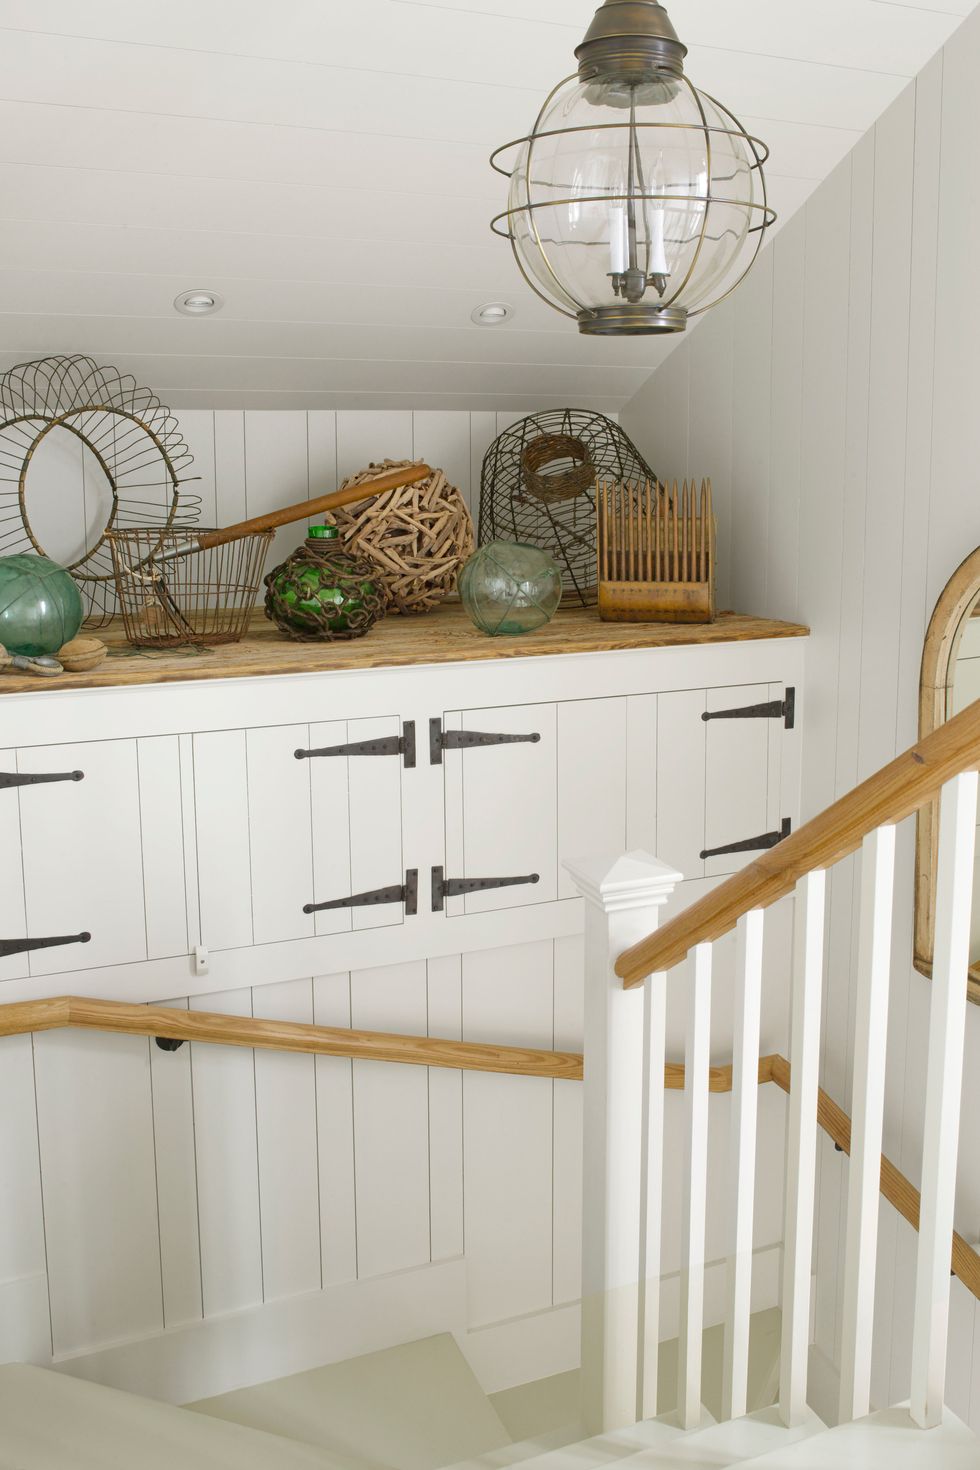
868, 511
286, 1140
508, 1129
250, 461
391, 1125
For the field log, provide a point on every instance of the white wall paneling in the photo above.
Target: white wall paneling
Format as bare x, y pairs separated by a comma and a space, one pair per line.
391, 1126
335, 1137
288, 1167
175, 1158
870, 507
508, 1137
444, 996
225, 1128
21, 1217
95, 1131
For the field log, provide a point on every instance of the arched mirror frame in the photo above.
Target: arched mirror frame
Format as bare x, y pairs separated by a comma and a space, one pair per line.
935, 692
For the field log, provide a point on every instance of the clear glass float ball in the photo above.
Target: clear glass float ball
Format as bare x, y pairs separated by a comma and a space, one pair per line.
507, 587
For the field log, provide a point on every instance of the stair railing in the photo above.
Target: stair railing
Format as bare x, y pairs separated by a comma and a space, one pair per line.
627, 960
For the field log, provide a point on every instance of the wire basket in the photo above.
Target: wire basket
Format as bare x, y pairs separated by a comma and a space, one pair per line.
205, 597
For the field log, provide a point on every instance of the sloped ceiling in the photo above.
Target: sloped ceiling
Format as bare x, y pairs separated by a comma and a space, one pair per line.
322, 164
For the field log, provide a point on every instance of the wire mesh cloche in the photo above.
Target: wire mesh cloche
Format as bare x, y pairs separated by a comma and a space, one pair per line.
85, 450
538, 487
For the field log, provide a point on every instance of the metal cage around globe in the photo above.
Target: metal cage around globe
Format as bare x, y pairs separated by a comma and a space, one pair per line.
636, 201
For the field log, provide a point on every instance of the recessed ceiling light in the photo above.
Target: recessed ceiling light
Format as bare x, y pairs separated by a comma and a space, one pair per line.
491, 314
198, 303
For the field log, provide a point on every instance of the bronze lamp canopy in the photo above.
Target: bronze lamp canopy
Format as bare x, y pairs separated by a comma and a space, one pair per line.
636, 201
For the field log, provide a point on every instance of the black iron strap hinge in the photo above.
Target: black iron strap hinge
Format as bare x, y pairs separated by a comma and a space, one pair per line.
20, 946
753, 844
443, 887
776, 709
440, 740
406, 893
403, 745
13, 778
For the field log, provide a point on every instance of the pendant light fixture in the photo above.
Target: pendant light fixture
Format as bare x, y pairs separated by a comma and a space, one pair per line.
636, 201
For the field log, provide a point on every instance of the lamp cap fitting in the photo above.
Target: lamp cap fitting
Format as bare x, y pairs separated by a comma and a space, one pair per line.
630, 40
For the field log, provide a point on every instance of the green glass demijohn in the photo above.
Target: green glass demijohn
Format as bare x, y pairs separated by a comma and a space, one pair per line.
40, 606
508, 587
324, 591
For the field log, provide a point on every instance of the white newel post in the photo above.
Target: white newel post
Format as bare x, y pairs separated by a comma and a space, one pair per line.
623, 898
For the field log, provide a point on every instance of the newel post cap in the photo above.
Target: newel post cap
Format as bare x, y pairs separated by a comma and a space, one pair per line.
630, 880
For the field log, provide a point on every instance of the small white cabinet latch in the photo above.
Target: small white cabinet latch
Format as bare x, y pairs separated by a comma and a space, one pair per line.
201, 958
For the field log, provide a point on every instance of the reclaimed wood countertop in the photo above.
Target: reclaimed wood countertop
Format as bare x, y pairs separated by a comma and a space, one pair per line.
443, 636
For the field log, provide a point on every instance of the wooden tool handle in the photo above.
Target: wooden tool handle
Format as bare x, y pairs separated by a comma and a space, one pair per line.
393, 480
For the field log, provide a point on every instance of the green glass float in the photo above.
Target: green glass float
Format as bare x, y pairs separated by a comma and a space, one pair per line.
324, 591
508, 587
40, 606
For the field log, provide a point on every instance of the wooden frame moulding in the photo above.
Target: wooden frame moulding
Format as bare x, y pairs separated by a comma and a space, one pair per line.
937, 674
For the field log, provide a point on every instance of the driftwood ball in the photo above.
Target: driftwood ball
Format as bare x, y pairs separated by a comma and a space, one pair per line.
418, 536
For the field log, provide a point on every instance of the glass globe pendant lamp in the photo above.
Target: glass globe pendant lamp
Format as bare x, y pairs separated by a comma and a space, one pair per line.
636, 202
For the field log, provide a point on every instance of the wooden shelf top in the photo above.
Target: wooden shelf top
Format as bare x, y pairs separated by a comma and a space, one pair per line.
443, 636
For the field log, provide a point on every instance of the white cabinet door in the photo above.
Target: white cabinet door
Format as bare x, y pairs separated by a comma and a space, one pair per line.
285, 839
82, 853
718, 768
357, 822
741, 773
592, 776
501, 806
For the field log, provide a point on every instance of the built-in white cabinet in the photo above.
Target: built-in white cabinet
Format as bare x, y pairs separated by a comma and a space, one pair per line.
274, 827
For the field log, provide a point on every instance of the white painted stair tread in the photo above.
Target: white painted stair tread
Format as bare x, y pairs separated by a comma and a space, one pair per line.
731, 1443
522, 1450
528, 1410
413, 1407
591, 1454
886, 1440
49, 1421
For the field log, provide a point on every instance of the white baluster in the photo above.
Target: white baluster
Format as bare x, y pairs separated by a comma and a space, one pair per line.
741, 1162
868, 1103
944, 1078
695, 1190
623, 898
801, 1144
651, 1205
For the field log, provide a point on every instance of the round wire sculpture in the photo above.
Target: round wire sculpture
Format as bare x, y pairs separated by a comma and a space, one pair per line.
125, 466
538, 487
417, 536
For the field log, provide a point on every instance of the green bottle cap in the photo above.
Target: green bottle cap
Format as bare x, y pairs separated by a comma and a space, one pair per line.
323, 533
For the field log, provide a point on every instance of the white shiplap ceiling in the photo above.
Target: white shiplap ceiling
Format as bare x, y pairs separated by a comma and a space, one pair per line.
322, 164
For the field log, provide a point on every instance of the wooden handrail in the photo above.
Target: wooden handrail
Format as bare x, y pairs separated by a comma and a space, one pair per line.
894, 792
21, 1017
296, 1036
